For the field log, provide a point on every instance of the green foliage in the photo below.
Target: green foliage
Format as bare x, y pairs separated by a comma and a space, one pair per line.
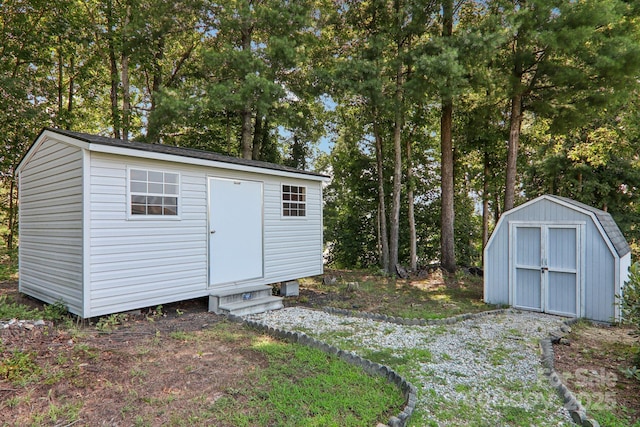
630, 300
350, 209
11, 310
8, 264
630, 309
630, 306
19, 367
632, 372
156, 313
56, 311
283, 74
110, 323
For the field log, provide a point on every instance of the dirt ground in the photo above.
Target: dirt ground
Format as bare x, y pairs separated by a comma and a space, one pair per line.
592, 365
138, 371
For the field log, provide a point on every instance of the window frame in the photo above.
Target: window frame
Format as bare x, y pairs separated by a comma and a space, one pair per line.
130, 194
283, 201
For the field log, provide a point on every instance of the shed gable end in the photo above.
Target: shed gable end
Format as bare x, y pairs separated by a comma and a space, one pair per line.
50, 220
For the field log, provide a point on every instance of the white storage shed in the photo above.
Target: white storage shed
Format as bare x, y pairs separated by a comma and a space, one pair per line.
108, 225
559, 256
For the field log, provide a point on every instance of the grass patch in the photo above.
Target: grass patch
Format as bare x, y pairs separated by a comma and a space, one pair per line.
437, 296
499, 355
609, 419
385, 356
20, 367
9, 309
303, 386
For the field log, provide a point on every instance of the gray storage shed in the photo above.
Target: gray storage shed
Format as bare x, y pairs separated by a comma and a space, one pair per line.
558, 256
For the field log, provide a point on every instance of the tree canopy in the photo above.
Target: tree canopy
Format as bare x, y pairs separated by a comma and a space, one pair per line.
440, 114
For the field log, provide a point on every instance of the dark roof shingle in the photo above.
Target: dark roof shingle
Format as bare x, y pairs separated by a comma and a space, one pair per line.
606, 221
178, 151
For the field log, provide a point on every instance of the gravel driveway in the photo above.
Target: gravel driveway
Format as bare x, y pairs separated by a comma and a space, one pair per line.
484, 371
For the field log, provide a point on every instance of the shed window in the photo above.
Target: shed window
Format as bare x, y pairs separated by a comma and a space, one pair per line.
294, 201
153, 193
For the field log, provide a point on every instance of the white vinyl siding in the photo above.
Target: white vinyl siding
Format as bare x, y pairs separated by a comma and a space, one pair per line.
293, 249
144, 263
80, 244
51, 225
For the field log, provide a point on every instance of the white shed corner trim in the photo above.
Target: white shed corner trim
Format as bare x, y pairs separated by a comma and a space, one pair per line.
559, 256
108, 225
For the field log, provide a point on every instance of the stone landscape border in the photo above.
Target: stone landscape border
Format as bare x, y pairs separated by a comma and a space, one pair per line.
408, 390
415, 321
571, 403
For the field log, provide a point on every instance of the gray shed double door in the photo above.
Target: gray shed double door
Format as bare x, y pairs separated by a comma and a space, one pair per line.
545, 267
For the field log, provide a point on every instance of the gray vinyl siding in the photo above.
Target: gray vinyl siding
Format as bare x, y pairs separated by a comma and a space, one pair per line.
496, 268
142, 262
599, 290
50, 250
598, 267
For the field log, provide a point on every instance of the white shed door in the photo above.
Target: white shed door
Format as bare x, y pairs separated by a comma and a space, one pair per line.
235, 230
546, 260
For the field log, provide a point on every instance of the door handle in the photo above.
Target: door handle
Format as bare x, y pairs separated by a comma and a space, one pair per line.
213, 231
545, 269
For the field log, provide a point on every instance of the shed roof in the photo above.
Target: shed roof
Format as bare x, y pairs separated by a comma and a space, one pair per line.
606, 221
177, 151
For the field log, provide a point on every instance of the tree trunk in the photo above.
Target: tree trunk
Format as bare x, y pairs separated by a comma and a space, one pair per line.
227, 115
71, 88
257, 137
153, 130
247, 112
245, 140
413, 241
113, 64
126, 98
485, 202
512, 151
12, 216
447, 213
394, 234
60, 78
382, 206
126, 95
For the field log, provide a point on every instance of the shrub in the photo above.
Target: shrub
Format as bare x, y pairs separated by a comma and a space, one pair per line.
630, 303
55, 312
